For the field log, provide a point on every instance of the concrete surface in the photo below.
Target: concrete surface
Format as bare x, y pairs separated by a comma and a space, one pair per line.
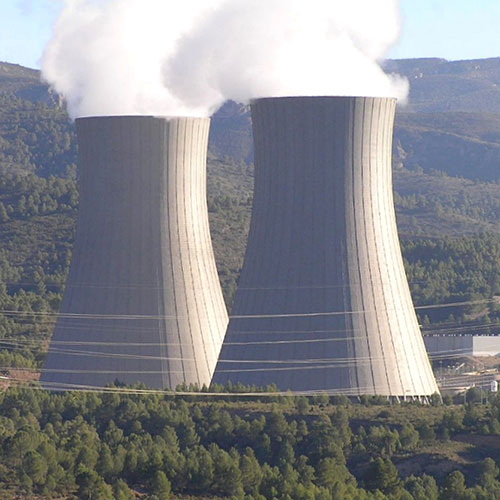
143, 301
323, 302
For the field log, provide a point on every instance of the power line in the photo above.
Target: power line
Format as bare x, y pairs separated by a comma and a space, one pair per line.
121, 390
133, 286
337, 361
156, 317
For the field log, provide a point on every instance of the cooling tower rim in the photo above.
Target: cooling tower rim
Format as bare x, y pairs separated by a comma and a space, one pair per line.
141, 117
322, 97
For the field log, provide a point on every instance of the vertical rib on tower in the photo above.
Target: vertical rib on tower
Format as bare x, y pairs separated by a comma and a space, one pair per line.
323, 302
143, 300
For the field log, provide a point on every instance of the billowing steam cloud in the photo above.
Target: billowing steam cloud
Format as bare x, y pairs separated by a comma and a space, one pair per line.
106, 56
255, 48
165, 57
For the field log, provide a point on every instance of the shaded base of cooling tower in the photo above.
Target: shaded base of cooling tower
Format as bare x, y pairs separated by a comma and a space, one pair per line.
318, 361
97, 363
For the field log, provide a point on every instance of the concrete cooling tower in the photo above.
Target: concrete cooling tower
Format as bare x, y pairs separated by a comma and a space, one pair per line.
143, 301
323, 302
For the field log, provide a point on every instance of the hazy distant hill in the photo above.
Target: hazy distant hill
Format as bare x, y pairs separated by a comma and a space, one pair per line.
14, 77
458, 143
25, 83
440, 85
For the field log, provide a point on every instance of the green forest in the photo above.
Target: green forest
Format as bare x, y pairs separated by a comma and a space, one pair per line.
123, 446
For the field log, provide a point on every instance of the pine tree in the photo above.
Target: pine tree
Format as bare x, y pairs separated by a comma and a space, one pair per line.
160, 486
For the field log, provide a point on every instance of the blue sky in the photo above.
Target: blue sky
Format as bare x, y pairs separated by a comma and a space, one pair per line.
452, 29
25, 27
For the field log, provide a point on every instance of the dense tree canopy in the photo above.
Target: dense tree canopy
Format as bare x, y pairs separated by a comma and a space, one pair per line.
113, 444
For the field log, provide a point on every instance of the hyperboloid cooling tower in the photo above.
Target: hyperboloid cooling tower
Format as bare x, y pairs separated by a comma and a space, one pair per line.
323, 302
143, 300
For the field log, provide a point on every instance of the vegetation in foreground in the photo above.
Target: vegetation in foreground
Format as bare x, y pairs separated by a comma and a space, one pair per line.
118, 445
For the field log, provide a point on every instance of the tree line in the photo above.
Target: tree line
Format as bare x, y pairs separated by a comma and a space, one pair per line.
113, 445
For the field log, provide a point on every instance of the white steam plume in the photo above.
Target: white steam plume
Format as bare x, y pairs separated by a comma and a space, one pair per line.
256, 48
106, 56
165, 57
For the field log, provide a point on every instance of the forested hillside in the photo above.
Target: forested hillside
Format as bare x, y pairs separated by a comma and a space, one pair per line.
437, 85
155, 447
447, 194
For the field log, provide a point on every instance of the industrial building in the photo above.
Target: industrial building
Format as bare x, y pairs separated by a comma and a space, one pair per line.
323, 303
456, 346
143, 301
